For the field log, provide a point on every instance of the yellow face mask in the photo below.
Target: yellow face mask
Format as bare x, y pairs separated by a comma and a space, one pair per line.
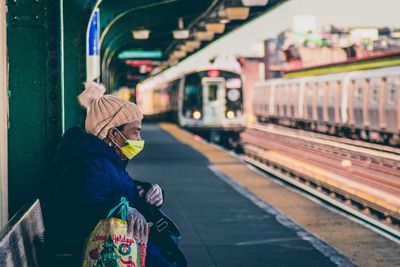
132, 148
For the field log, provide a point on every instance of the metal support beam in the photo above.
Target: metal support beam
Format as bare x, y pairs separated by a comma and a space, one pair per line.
3, 117
33, 38
76, 20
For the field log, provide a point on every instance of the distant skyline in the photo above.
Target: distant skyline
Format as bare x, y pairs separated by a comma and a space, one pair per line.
341, 13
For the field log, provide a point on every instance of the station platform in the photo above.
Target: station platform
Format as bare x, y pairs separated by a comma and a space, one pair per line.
221, 223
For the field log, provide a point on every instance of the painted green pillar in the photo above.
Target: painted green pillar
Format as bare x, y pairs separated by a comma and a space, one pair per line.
34, 50
76, 19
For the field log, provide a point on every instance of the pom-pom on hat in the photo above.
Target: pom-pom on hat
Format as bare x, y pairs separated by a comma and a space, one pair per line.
104, 112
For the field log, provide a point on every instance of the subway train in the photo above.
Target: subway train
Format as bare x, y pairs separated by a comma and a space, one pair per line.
209, 102
360, 104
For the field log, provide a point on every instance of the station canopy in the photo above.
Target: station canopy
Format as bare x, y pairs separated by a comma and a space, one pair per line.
140, 35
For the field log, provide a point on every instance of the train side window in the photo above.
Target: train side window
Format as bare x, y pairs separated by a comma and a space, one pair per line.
320, 91
359, 91
392, 92
190, 91
375, 94
330, 85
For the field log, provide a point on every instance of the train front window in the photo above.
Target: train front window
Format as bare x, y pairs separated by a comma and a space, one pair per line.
212, 92
192, 95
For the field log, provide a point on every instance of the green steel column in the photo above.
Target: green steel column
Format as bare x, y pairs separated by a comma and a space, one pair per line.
76, 18
33, 39
3, 118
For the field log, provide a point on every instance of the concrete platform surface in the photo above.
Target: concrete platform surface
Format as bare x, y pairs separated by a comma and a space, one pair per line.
221, 227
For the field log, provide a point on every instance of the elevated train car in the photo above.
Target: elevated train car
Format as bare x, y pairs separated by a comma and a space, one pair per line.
208, 101
360, 104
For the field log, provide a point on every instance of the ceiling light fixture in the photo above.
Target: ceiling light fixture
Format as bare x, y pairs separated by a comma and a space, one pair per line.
142, 34
187, 48
204, 36
193, 44
237, 13
234, 10
224, 21
179, 54
215, 27
254, 2
180, 33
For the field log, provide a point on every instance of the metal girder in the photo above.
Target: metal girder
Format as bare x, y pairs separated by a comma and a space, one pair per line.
33, 40
161, 18
47, 60
76, 15
3, 118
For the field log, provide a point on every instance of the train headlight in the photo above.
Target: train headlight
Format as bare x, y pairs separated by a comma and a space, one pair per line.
230, 114
196, 115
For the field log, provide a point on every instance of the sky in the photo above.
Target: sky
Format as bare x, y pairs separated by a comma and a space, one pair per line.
341, 13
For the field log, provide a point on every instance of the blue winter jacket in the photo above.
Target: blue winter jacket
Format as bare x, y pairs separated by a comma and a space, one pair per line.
90, 180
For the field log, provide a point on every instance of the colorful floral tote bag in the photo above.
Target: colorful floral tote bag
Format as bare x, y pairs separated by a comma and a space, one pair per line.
110, 245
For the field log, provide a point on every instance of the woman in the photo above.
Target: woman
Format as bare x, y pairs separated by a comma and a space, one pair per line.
91, 173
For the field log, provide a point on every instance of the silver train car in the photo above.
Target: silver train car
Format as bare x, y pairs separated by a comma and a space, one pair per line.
209, 101
361, 104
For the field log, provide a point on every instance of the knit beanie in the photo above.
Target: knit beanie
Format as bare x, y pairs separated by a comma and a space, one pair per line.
104, 112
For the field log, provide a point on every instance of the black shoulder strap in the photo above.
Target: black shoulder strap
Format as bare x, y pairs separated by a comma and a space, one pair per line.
163, 231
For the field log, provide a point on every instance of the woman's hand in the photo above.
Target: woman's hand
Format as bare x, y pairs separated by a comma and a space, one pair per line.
155, 196
137, 225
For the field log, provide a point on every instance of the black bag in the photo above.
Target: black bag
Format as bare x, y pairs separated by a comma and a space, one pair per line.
163, 233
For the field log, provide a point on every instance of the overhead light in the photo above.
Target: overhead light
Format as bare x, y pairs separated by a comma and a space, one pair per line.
190, 46
184, 48
187, 48
172, 61
215, 27
224, 21
254, 2
204, 36
193, 44
237, 13
172, 57
141, 34
181, 34
179, 54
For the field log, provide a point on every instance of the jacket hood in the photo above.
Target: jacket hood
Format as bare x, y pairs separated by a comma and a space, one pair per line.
76, 143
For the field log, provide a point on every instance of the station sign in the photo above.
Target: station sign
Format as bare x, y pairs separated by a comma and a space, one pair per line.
140, 54
93, 55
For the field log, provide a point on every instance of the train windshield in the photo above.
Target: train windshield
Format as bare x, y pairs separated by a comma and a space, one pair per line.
192, 95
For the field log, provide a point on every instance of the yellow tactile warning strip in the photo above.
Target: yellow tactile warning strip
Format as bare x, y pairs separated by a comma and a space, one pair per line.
361, 245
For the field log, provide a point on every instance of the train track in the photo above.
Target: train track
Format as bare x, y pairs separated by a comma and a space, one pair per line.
363, 181
352, 149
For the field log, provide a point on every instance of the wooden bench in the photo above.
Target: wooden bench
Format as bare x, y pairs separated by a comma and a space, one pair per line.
22, 239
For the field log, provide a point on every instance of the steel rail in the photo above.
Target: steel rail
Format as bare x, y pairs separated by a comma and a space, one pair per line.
348, 209
391, 158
